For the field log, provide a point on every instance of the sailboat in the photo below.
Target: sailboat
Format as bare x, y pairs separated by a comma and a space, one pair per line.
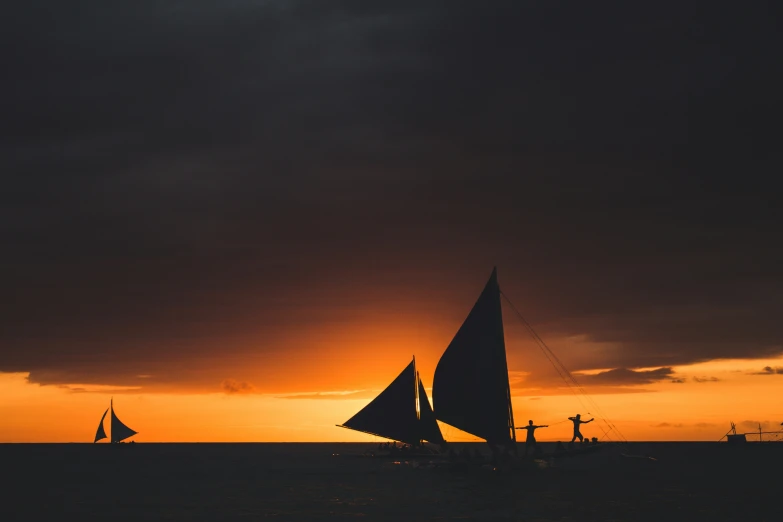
471, 390
400, 413
119, 431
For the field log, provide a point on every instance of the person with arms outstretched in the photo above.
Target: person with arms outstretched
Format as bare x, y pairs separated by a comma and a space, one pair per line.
577, 421
530, 441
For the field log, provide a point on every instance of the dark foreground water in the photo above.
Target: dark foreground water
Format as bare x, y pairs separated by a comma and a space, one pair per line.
227, 482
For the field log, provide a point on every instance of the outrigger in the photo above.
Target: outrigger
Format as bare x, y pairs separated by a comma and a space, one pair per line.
732, 437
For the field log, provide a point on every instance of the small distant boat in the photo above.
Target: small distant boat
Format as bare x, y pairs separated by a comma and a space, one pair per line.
401, 413
734, 438
119, 431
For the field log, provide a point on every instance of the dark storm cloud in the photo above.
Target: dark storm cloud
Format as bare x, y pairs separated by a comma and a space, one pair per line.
625, 377
769, 370
232, 386
186, 178
754, 424
706, 379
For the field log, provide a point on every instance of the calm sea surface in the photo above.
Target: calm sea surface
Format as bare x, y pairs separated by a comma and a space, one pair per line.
227, 482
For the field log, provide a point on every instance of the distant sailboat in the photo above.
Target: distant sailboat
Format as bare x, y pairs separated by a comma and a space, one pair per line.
119, 431
471, 390
400, 413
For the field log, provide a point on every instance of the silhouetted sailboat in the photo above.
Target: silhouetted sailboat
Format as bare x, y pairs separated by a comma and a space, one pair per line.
401, 412
470, 390
119, 431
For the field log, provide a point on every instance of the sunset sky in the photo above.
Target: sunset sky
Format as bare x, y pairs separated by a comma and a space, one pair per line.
242, 219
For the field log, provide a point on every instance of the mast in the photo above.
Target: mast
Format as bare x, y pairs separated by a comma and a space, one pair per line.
417, 402
512, 431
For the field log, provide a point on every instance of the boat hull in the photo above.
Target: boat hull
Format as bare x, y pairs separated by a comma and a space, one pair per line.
413, 455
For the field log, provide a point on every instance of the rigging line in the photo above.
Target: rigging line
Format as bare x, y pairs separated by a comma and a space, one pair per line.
571, 388
590, 399
543, 346
562, 372
561, 368
547, 355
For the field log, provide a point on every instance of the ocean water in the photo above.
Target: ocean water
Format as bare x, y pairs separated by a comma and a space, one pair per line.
286, 482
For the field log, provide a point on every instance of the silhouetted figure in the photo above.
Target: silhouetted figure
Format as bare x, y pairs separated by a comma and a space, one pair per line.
577, 421
595, 440
530, 440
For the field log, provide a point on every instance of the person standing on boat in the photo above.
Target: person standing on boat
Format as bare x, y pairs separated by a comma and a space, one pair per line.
577, 421
530, 441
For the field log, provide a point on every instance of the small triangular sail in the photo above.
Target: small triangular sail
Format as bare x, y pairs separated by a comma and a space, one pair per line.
101, 433
119, 431
470, 390
428, 425
392, 414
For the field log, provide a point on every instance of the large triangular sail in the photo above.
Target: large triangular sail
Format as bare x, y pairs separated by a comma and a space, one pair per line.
395, 415
101, 433
119, 431
470, 390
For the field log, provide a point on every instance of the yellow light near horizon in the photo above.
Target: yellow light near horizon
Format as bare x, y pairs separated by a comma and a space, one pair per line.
688, 411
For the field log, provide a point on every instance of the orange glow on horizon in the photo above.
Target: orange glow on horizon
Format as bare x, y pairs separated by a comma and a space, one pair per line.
697, 409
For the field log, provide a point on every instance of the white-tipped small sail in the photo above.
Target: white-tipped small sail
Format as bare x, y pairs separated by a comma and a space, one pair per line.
101, 433
428, 425
119, 431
